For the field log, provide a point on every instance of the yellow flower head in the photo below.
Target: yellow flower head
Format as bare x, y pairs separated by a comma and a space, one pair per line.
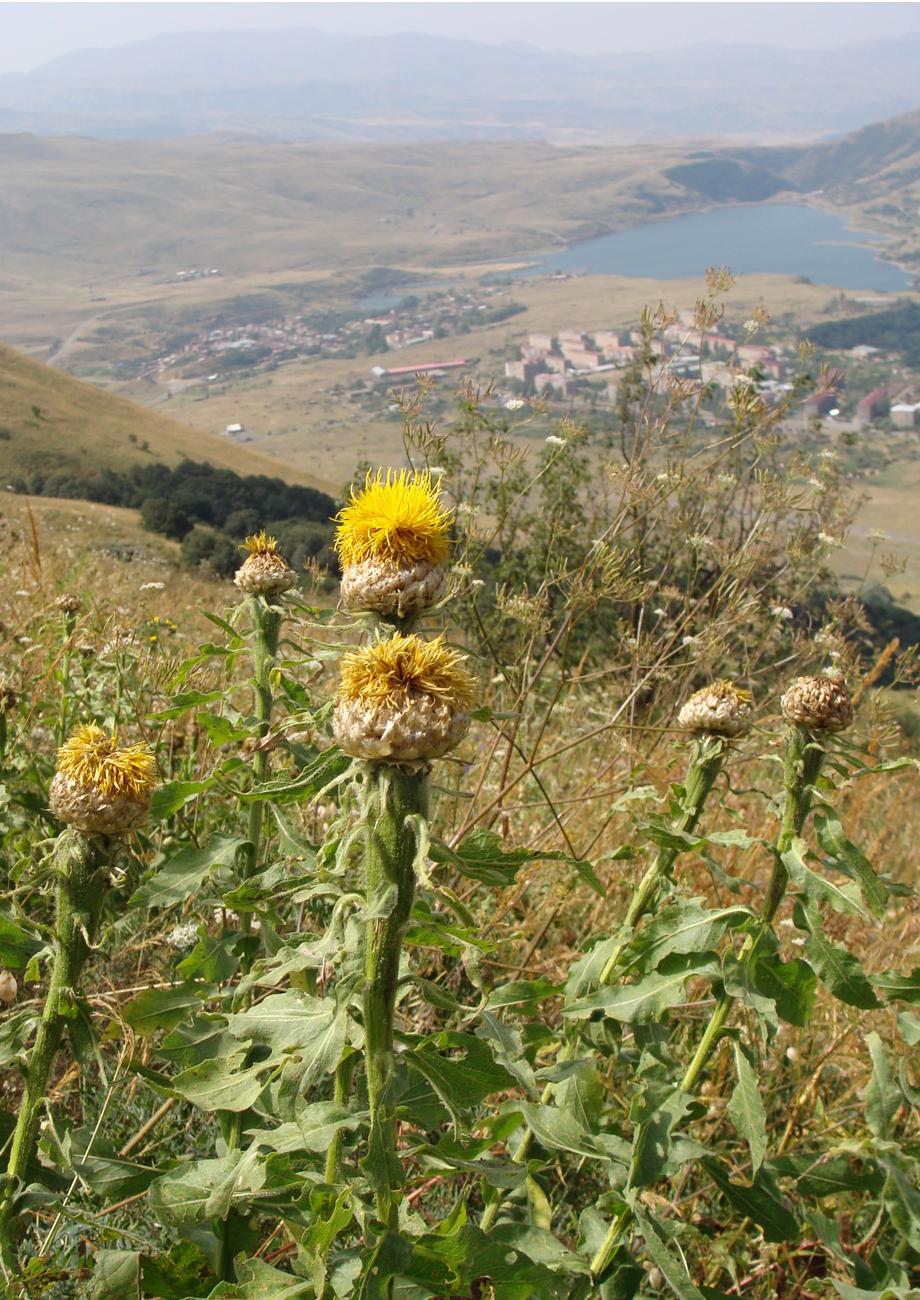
398, 519
261, 544
405, 666
93, 760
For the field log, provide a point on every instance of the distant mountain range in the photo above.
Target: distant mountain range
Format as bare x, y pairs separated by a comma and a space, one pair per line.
304, 84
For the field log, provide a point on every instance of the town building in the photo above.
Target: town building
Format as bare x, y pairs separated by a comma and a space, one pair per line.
873, 406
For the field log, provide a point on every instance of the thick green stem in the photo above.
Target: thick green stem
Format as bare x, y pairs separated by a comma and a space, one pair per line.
394, 797
266, 628
801, 767
705, 764
79, 865
344, 1076
266, 623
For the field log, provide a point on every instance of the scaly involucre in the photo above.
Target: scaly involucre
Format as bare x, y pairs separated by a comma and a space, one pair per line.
399, 520
94, 760
403, 666
720, 709
265, 571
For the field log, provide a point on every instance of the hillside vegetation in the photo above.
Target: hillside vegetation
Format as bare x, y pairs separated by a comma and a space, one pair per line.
51, 423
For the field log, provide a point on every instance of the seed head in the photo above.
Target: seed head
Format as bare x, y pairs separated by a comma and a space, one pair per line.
390, 590
69, 603
720, 709
398, 520
403, 700
265, 571
820, 703
8, 987
99, 788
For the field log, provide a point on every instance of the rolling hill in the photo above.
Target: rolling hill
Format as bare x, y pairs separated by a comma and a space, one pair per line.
305, 84
51, 422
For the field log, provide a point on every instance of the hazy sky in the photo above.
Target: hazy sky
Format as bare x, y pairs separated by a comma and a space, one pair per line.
32, 33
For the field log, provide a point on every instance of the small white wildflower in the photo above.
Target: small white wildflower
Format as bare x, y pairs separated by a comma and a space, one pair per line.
438, 470
498, 679
726, 480
816, 483
513, 404
553, 441
152, 586
21, 593
781, 611
689, 640
828, 540
183, 936
827, 454
792, 1055
225, 915
660, 613
462, 571
477, 582
751, 326
876, 535
465, 508
699, 541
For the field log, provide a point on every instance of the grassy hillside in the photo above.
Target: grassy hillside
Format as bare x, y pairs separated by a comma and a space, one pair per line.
48, 420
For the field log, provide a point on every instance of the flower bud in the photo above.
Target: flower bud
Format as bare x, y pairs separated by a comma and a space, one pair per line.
720, 709
8, 987
403, 700
100, 789
820, 703
265, 571
391, 540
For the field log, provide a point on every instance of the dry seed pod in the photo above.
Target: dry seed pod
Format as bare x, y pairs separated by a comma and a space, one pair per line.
265, 571
392, 541
402, 700
820, 703
99, 788
69, 603
720, 709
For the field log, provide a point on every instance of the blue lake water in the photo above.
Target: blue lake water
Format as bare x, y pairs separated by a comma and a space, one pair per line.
779, 238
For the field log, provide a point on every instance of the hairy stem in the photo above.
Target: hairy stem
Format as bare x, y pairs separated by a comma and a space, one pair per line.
78, 864
393, 797
801, 767
266, 626
706, 760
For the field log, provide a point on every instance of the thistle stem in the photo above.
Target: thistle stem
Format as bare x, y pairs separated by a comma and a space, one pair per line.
392, 797
78, 863
266, 623
344, 1076
706, 761
801, 767
266, 626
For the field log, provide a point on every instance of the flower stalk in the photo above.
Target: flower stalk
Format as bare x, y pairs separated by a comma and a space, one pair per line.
706, 760
801, 767
394, 800
80, 864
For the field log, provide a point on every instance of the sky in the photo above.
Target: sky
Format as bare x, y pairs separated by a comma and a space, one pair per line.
32, 33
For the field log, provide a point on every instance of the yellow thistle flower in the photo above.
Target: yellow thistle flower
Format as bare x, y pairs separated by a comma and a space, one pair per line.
398, 520
99, 788
261, 544
403, 700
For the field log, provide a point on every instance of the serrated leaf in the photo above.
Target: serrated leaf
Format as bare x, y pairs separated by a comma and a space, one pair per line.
219, 1084
460, 1068
116, 1275
207, 1189
881, 1095
482, 855
746, 1109
818, 888
840, 970
681, 927
295, 1025
649, 996
17, 945
173, 795
185, 872
163, 1008
316, 776
851, 859
756, 1202
672, 1266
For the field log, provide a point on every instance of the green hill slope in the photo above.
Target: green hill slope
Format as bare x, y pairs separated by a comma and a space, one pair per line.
50, 421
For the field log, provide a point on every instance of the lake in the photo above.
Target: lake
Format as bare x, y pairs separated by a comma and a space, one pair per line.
779, 238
